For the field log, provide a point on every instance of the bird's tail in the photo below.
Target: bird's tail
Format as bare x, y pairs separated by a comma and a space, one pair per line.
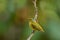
41, 29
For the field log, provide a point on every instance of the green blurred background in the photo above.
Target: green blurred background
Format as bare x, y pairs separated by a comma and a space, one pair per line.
14, 24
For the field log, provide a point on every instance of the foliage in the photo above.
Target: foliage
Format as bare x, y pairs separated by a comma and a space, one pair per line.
14, 24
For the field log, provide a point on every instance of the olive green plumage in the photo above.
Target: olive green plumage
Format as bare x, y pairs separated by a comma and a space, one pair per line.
34, 25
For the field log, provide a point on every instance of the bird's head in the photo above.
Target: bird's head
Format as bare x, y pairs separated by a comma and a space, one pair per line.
30, 19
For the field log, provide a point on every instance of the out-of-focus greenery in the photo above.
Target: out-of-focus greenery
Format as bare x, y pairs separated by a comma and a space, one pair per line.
14, 23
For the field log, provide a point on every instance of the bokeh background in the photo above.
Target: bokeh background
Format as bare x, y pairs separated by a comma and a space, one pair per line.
14, 24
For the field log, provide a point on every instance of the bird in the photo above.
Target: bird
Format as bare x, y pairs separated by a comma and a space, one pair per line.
34, 25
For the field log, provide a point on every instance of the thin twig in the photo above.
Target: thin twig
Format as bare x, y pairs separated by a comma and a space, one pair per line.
36, 10
35, 18
31, 35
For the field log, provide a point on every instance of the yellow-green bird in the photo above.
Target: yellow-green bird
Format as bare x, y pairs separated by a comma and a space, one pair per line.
34, 25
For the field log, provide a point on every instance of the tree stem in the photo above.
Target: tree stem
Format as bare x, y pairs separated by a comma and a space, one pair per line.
31, 35
36, 10
35, 19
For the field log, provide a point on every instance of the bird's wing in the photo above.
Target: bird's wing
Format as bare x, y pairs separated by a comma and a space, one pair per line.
37, 26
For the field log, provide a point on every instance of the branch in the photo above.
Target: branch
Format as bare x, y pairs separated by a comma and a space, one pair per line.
31, 35
35, 19
36, 10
